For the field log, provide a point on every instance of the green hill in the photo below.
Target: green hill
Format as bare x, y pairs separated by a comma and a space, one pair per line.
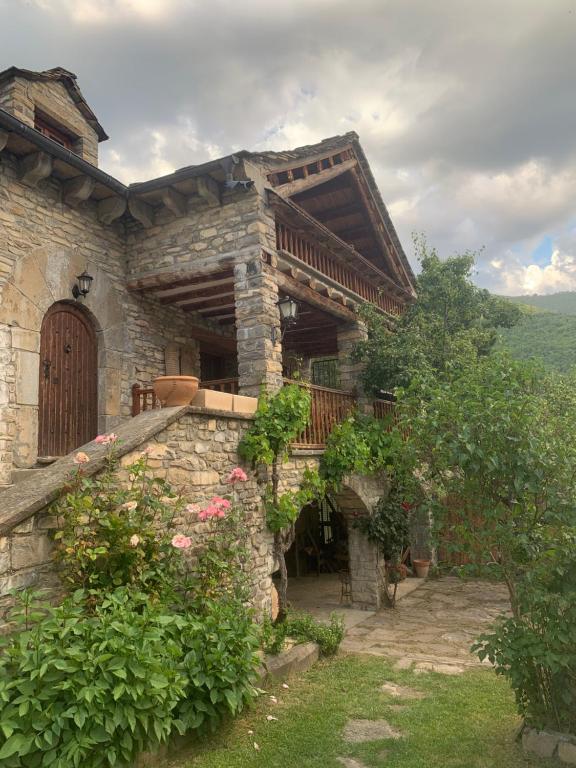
546, 336
563, 302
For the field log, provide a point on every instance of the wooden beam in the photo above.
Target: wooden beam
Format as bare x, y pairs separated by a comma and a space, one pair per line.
304, 293
111, 208
77, 190
225, 343
184, 275
174, 201
294, 187
214, 309
4, 136
208, 189
35, 167
199, 300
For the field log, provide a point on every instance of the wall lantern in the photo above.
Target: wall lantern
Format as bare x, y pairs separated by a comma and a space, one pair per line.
82, 287
288, 309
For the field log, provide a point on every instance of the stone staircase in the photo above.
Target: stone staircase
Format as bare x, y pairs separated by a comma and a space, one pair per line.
20, 475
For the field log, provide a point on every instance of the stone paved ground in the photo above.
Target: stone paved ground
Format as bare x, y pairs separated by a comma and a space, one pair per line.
433, 627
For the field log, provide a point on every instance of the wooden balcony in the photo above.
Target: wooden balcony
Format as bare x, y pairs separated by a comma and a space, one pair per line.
363, 287
328, 408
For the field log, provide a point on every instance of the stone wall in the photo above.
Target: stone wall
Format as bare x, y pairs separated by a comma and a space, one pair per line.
194, 450
23, 97
44, 244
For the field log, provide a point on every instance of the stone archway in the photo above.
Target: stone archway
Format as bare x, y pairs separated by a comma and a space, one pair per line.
356, 499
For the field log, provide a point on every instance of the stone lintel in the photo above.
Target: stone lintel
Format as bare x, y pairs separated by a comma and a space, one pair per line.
77, 190
35, 167
141, 211
111, 208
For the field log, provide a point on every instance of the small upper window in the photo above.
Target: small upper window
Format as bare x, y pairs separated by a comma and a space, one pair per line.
53, 131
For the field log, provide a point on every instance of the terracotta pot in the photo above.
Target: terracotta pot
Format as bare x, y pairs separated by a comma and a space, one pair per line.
175, 390
421, 567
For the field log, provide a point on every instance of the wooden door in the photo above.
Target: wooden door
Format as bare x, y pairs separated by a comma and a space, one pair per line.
68, 396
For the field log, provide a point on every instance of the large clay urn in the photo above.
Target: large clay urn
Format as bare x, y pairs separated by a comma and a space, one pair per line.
175, 390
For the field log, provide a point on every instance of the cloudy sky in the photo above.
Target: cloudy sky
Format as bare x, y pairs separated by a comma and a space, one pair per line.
465, 108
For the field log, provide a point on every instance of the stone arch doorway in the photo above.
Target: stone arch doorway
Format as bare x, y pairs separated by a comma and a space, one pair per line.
68, 384
318, 587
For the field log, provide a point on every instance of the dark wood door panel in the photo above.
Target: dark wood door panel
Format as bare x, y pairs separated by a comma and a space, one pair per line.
68, 398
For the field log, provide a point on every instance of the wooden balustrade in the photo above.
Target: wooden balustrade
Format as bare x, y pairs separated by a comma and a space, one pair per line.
222, 385
143, 399
328, 408
323, 261
383, 408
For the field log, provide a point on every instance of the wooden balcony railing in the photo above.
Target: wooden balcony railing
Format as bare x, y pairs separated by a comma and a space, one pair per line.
320, 258
222, 385
143, 399
329, 407
383, 408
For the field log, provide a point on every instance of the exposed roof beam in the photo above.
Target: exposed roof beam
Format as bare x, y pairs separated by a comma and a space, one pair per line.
195, 297
314, 179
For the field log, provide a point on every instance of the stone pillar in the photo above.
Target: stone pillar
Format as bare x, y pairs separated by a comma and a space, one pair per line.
348, 336
7, 420
257, 328
364, 571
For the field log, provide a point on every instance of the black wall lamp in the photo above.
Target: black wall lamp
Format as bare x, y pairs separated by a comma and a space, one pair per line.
288, 309
82, 287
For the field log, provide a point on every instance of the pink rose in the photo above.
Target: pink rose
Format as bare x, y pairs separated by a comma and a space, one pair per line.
129, 505
193, 509
203, 516
237, 476
211, 510
106, 439
221, 513
181, 542
134, 540
81, 458
218, 501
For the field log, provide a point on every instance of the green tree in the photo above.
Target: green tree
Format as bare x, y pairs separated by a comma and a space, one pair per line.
450, 323
494, 442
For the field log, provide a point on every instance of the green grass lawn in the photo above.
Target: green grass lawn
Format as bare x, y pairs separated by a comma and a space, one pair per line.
465, 721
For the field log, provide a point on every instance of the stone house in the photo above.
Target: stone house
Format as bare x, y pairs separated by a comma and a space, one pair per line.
189, 272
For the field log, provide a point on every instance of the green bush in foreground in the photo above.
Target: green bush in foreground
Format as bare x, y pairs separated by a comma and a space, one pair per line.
95, 690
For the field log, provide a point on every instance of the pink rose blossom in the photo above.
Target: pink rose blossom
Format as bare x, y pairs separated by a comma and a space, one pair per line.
81, 458
221, 513
218, 501
193, 509
237, 476
203, 516
106, 439
129, 505
134, 540
212, 510
181, 542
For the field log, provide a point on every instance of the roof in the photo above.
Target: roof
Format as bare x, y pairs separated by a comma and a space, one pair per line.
68, 80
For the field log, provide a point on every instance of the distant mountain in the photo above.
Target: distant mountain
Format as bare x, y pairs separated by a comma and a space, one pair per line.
547, 331
563, 302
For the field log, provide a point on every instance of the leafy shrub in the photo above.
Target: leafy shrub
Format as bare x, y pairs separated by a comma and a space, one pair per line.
96, 689
303, 628
114, 535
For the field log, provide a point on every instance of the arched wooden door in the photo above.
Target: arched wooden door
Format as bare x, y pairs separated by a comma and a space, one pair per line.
68, 395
